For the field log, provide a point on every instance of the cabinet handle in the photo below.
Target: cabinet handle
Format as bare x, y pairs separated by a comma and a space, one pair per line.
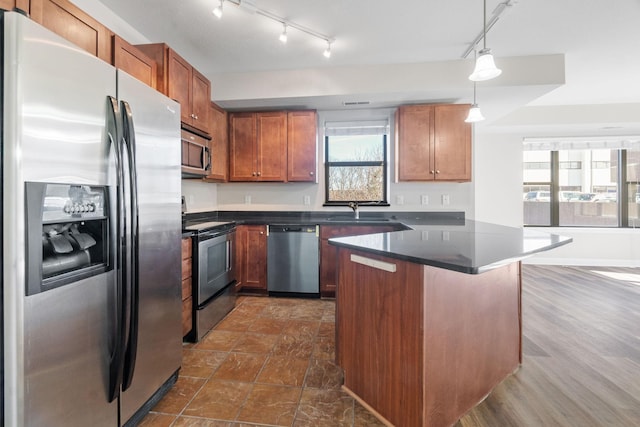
311, 173
195, 116
253, 174
437, 171
259, 173
191, 115
431, 172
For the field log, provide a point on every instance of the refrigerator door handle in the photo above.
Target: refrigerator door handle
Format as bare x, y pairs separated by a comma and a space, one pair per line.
119, 322
133, 276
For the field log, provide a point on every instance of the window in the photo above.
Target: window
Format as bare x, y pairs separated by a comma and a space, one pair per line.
356, 163
597, 187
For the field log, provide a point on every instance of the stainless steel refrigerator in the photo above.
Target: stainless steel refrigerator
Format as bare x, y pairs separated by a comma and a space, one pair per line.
91, 223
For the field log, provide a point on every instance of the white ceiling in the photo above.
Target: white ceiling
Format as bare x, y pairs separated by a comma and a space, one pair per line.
241, 54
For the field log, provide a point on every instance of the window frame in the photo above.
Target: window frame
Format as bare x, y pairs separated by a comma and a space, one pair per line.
554, 185
385, 178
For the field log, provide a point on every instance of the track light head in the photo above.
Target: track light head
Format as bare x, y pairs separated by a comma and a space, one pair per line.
283, 36
217, 12
327, 51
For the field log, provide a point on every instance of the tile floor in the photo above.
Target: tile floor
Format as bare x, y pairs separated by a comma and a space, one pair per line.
268, 363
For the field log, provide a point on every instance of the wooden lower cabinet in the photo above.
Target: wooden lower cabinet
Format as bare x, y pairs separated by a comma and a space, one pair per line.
329, 253
187, 274
251, 257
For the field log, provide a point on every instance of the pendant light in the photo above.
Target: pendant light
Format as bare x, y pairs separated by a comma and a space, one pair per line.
475, 115
485, 66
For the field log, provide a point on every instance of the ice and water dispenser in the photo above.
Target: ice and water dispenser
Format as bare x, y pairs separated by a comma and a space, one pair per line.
67, 234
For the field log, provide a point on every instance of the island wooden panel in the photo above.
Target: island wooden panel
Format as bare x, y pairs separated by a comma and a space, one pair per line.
423, 345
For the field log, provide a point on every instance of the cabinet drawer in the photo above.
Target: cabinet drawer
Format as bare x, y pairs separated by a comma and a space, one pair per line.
186, 288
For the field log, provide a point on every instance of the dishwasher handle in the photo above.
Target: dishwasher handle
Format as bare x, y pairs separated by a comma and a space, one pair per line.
292, 228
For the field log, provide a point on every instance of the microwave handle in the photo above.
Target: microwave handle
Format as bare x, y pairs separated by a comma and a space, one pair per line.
206, 158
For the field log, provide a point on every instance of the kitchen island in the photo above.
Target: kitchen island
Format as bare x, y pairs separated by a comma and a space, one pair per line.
428, 320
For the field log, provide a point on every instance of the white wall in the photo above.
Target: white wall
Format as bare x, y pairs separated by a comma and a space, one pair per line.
199, 196
498, 199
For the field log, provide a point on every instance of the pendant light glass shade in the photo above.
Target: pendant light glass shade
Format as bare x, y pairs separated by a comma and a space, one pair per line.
485, 67
475, 115
283, 36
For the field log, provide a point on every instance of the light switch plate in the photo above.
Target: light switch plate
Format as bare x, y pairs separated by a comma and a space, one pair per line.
445, 199
424, 199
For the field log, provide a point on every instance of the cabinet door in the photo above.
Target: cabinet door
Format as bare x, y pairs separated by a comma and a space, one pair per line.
219, 144
271, 153
238, 251
329, 253
70, 22
179, 84
302, 152
452, 143
255, 257
10, 4
414, 150
200, 101
242, 146
133, 61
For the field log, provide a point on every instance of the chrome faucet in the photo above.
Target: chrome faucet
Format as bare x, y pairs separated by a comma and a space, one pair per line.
354, 206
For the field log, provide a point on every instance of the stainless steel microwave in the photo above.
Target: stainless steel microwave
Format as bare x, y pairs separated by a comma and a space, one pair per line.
196, 156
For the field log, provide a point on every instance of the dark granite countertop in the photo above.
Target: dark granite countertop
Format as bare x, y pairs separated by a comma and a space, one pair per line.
440, 239
471, 247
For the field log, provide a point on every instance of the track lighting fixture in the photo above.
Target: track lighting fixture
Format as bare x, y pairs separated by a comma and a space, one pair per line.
485, 66
217, 12
327, 51
283, 35
250, 7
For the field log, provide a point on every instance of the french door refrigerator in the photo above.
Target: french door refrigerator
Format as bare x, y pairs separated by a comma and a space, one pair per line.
91, 228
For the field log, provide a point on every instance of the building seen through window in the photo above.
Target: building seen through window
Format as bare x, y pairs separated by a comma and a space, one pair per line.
582, 187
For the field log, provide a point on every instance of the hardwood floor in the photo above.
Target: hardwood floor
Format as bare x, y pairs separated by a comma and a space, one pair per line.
581, 347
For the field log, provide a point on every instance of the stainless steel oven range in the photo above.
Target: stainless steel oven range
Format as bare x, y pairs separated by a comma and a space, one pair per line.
214, 275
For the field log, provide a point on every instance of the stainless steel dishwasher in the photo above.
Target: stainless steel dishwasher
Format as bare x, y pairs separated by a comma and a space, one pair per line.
293, 260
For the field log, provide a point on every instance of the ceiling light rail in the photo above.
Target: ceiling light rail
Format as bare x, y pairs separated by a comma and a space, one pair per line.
250, 7
497, 12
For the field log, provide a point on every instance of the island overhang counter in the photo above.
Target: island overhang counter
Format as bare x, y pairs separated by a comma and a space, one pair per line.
429, 320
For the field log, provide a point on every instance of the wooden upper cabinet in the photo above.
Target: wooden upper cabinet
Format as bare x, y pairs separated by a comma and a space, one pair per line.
180, 81
134, 62
242, 146
219, 144
271, 150
67, 20
433, 143
10, 4
452, 143
258, 146
302, 152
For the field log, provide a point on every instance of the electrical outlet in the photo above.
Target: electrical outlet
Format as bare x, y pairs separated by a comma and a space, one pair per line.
424, 199
306, 200
445, 236
192, 199
424, 235
247, 199
445, 200
399, 200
